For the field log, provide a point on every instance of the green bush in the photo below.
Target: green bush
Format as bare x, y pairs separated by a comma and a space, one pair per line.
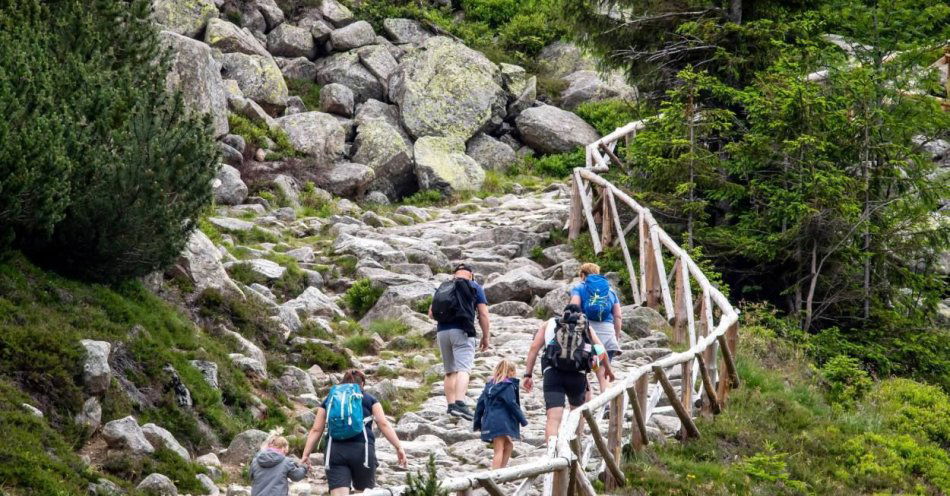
493, 12
607, 115
112, 198
913, 408
557, 165
887, 462
318, 354
424, 198
361, 297
257, 134
424, 484
163, 461
422, 305
845, 380
249, 317
388, 328
361, 344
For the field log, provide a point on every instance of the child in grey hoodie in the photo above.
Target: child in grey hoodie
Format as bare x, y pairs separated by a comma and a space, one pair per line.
271, 468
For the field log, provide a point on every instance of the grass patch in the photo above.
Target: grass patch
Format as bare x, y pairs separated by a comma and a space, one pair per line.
407, 400
361, 344
257, 135
308, 91
422, 305
318, 354
424, 198
388, 328
361, 297
163, 461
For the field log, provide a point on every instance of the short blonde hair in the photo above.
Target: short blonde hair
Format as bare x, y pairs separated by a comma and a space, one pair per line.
279, 442
588, 269
505, 369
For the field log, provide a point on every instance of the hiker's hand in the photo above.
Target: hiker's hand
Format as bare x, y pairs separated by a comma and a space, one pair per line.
485, 345
306, 462
609, 374
401, 457
528, 384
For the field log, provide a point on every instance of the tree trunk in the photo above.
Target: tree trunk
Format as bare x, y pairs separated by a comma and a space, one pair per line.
735, 11
809, 300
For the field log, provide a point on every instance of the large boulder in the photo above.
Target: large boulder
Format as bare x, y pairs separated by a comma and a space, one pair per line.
258, 77
402, 31
345, 68
365, 248
315, 134
200, 262
295, 381
336, 13
160, 437
244, 446
297, 68
90, 417
383, 145
157, 485
355, 35
554, 302
589, 86
447, 89
345, 178
229, 38
314, 303
640, 322
378, 60
228, 187
562, 58
272, 13
337, 99
518, 285
548, 129
490, 153
197, 76
291, 41
441, 163
186, 18
126, 435
96, 373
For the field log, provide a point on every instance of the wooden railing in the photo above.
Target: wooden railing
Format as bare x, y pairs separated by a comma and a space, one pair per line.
702, 319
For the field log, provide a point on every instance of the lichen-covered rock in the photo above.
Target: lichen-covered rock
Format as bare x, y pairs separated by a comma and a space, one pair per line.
185, 17
200, 261
295, 105
589, 86
640, 322
337, 99
403, 31
336, 13
364, 248
345, 68
229, 38
314, 303
258, 77
383, 145
441, 163
198, 76
378, 60
525, 99
228, 187
490, 153
447, 89
272, 13
548, 129
518, 285
209, 371
96, 373
345, 178
291, 41
90, 417
295, 382
315, 134
160, 437
125, 434
157, 485
515, 78
562, 58
355, 35
252, 367
297, 68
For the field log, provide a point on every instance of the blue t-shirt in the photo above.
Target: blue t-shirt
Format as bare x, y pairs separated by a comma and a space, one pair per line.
581, 291
368, 402
479, 299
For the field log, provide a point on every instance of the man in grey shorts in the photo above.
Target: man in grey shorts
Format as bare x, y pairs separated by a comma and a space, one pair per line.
458, 347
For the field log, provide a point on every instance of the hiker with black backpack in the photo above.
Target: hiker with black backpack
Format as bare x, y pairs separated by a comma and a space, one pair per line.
455, 306
601, 306
570, 351
348, 414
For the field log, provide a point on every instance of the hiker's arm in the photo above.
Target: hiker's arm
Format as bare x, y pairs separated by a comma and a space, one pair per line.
484, 323
479, 411
602, 357
533, 355
387, 429
515, 409
575, 299
618, 321
316, 431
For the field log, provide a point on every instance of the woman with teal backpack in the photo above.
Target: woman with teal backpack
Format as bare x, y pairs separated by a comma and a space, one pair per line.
348, 414
602, 309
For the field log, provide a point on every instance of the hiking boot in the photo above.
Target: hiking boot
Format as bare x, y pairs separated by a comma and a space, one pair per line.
459, 409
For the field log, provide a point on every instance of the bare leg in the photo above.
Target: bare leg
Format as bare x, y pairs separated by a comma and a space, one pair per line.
602, 381
553, 421
449, 387
461, 386
340, 491
509, 446
498, 460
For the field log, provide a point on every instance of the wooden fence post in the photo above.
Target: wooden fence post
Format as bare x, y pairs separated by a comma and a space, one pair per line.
576, 214
688, 425
607, 218
613, 465
679, 304
711, 401
614, 441
651, 287
638, 428
731, 378
686, 393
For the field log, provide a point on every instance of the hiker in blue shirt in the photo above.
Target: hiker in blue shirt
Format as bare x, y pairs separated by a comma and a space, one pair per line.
498, 413
602, 307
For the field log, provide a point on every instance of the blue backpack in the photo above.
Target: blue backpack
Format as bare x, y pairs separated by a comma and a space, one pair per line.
345, 411
596, 301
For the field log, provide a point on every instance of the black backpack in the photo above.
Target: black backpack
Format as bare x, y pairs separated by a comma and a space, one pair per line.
454, 303
571, 350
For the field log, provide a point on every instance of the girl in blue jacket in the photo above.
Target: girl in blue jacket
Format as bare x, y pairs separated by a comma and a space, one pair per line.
498, 413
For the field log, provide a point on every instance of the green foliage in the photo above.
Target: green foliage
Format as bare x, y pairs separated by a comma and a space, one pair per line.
249, 317
422, 305
845, 380
558, 165
318, 354
314, 204
361, 297
307, 90
257, 135
424, 198
163, 461
607, 115
113, 198
914, 408
424, 484
388, 328
361, 344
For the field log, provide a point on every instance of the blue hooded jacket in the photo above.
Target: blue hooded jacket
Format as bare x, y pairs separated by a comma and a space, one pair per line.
498, 412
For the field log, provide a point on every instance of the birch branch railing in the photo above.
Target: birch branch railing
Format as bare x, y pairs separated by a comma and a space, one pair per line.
709, 328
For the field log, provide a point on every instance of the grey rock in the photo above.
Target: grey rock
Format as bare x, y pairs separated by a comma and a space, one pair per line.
209, 371
246, 347
376, 197
266, 268
197, 76
258, 77
211, 489
200, 261
562, 58
272, 13
937, 148
175, 384
251, 367
295, 381
291, 41
373, 219
244, 446
184, 18
355, 35
304, 254
446, 89
548, 129
160, 437
157, 485
104, 487
236, 490
234, 141
96, 373
378, 60
403, 31
381, 144
295, 105
490, 153
313, 303
230, 155
253, 20
297, 68
345, 68
228, 187
515, 78
230, 224
320, 30
337, 99
589, 86
441, 163
229, 38
208, 460
518, 285
336, 13
639, 322
345, 179
525, 99
32, 410
553, 302
511, 309
288, 188
90, 416
315, 134
368, 248
125, 434
406, 294
250, 109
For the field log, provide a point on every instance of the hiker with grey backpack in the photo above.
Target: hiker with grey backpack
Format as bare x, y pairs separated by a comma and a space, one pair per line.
456, 305
601, 307
348, 414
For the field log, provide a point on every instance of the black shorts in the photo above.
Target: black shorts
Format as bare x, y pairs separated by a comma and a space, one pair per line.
558, 384
346, 467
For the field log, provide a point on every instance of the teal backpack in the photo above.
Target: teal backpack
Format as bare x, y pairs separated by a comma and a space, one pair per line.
345, 411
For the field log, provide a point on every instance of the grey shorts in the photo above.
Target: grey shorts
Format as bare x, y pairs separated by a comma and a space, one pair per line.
605, 331
458, 350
